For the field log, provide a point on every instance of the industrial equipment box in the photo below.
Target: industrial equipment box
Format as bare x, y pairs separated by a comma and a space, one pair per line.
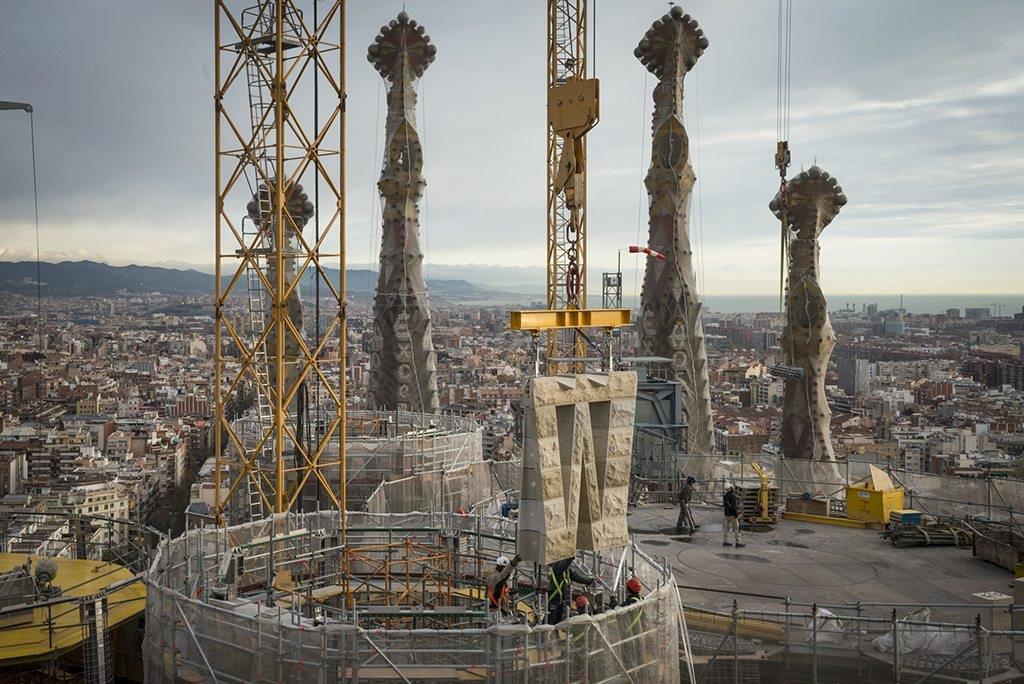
872, 505
906, 517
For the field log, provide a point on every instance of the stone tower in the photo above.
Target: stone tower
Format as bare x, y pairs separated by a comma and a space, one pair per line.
812, 199
670, 324
297, 212
403, 366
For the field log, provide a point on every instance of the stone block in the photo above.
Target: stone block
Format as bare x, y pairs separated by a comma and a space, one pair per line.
576, 460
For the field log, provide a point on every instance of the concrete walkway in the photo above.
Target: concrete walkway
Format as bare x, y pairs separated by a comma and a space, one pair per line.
812, 563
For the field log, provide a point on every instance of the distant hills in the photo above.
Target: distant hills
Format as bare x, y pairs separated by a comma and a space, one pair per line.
94, 279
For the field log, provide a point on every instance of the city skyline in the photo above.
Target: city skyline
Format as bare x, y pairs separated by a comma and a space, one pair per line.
924, 138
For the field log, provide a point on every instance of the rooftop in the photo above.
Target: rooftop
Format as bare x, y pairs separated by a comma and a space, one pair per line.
812, 563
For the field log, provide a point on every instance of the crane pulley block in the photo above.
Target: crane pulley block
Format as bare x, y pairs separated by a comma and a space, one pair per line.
782, 157
573, 107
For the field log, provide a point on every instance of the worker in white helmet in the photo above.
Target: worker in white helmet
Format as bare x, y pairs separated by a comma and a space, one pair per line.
497, 586
731, 509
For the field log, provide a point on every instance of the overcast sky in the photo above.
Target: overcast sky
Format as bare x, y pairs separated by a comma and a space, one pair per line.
915, 106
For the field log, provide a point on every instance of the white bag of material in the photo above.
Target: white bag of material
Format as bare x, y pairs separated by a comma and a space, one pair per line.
830, 627
920, 638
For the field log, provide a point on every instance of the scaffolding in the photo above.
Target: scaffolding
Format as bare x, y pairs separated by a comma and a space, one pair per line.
403, 601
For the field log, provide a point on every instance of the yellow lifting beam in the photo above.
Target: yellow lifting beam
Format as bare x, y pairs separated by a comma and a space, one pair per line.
536, 320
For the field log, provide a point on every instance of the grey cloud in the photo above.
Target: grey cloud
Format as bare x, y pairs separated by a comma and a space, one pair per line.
915, 113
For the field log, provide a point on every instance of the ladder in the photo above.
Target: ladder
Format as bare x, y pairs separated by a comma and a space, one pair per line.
256, 234
97, 654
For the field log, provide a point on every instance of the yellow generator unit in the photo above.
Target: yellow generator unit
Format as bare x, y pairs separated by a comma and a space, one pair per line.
873, 500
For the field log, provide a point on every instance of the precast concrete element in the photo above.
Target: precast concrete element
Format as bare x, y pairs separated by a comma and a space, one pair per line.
403, 364
670, 324
811, 200
577, 449
297, 212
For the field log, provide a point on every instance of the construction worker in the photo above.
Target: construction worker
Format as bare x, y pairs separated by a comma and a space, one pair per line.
731, 509
633, 618
497, 586
685, 522
582, 604
579, 645
561, 575
633, 589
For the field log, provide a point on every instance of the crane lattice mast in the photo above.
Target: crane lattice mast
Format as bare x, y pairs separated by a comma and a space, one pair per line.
572, 111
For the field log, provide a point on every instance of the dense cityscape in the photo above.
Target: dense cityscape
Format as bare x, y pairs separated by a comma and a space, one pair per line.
115, 414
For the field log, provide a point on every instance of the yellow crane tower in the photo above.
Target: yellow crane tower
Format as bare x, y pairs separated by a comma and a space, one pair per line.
573, 109
279, 370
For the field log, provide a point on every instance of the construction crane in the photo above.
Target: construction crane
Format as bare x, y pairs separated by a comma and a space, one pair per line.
783, 158
27, 108
573, 109
283, 373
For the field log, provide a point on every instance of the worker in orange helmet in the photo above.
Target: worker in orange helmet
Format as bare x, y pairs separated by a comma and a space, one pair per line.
633, 616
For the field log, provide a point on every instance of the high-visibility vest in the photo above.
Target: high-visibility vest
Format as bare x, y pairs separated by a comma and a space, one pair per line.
559, 583
497, 600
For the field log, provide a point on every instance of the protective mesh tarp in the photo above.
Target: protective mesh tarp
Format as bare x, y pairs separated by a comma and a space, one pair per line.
246, 642
479, 487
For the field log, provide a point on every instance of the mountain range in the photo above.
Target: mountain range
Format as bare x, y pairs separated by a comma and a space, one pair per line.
94, 279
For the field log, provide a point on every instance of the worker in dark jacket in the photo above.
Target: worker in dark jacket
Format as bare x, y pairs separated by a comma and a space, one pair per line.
561, 575
731, 509
685, 522
497, 586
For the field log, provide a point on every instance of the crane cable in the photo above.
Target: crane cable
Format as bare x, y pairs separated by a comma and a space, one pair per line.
783, 81
35, 201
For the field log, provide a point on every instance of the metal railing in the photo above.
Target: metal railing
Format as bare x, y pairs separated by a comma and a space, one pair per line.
880, 648
940, 495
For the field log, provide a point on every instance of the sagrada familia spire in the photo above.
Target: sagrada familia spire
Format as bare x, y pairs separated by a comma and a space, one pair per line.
810, 200
297, 212
403, 367
670, 324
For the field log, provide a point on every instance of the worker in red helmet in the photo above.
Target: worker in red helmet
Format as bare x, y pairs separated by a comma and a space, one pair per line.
634, 615
633, 589
582, 605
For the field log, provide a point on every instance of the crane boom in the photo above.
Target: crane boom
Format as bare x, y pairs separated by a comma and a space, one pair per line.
25, 106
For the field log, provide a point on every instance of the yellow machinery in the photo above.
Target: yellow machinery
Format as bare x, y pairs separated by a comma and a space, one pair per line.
765, 510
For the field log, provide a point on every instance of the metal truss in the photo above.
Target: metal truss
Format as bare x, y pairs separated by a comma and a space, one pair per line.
566, 242
280, 124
